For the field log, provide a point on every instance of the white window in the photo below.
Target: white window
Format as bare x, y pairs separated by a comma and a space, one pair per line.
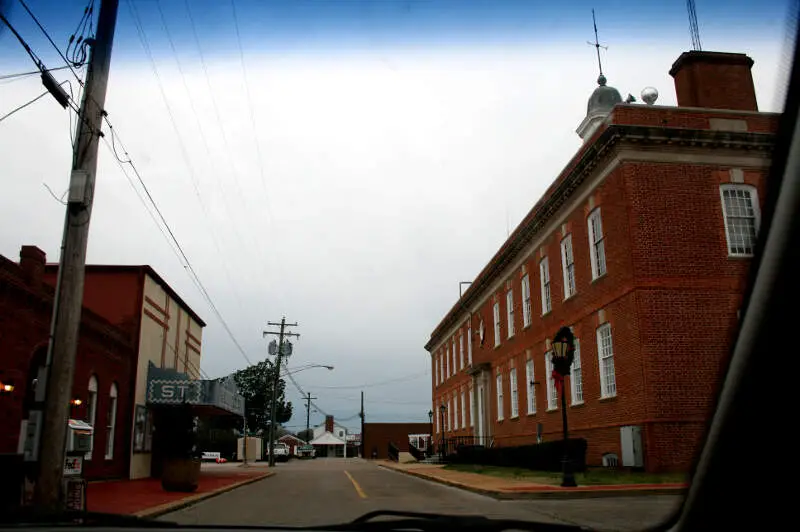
91, 412
514, 394
463, 410
469, 344
530, 378
510, 312
544, 274
597, 246
455, 358
741, 216
576, 376
435, 370
568, 266
469, 412
455, 412
461, 348
496, 324
552, 393
446, 366
605, 351
526, 301
499, 397
111, 421
438, 422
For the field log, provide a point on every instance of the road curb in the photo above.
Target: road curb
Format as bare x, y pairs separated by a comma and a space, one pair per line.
578, 493
157, 511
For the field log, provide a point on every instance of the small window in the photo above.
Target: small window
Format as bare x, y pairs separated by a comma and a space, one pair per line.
544, 274
91, 412
576, 377
341, 434
526, 301
510, 312
496, 324
597, 246
568, 267
741, 217
605, 352
530, 378
514, 393
499, 397
552, 393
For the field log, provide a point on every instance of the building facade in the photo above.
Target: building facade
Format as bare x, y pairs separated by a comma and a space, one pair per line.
105, 363
641, 245
164, 331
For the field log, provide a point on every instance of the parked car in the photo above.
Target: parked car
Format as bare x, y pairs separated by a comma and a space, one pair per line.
281, 452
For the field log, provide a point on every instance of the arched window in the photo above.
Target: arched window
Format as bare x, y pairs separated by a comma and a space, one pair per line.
111, 421
91, 411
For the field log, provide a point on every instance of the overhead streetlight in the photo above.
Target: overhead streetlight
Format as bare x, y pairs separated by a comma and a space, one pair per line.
308, 366
563, 346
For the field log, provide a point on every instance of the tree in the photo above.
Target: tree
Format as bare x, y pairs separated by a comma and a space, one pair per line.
255, 385
306, 435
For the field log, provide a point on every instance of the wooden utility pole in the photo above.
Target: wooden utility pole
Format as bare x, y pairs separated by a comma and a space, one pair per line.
281, 352
308, 412
362, 425
60, 366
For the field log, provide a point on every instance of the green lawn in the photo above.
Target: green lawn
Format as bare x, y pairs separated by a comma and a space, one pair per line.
590, 477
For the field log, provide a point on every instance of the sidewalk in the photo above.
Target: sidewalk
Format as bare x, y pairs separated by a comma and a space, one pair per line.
146, 498
501, 488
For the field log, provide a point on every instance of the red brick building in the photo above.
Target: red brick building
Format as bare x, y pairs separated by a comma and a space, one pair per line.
641, 245
103, 373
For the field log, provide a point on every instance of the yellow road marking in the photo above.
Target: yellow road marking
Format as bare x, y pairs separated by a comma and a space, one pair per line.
356, 486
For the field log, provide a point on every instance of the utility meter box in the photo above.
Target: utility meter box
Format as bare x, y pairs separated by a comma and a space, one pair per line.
79, 436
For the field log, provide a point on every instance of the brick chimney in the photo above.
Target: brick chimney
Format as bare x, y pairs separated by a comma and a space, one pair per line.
329, 424
714, 80
32, 261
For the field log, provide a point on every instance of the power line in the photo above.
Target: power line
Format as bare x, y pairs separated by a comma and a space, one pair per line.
24, 105
30, 73
371, 385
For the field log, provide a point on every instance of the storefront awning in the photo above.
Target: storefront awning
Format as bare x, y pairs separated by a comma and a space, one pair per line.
212, 397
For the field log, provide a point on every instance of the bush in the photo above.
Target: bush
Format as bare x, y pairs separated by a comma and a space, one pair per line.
545, 456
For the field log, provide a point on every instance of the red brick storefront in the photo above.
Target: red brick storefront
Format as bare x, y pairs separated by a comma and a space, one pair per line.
377, 436
105, 358
657, 324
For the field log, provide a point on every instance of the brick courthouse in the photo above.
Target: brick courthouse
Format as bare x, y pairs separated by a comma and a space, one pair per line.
641, 245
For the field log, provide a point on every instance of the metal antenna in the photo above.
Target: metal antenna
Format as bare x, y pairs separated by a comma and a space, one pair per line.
693, 29
597, 44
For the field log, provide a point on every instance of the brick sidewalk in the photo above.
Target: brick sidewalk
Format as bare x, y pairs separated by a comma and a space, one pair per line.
503, 488
146, 498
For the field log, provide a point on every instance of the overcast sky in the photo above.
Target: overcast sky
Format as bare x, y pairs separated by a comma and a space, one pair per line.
368, 157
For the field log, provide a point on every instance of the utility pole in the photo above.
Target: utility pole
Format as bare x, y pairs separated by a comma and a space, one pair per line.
63, 344
362, 425
281, 352
308, 411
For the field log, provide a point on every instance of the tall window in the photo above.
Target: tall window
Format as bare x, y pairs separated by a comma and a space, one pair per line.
576, 376
91, 412
455, 357
605, 351
552, 393
436, 370
530, 378
510, 312
568, 266
597, 246
463, 409
111, 423
469, 344
741, 216
471, 405
438, 421
461, 348
446, 365
455, 411
514, 393
496, 324
544, 275
499, 397
526, 301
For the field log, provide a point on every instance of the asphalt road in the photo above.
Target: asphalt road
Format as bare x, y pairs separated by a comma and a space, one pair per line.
330, 490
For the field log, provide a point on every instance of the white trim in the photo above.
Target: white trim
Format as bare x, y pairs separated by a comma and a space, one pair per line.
91, 404
463, 409
544, 281
570, 284
496, 318
602, 361
512, 376
552, 404
112, 417
527, 303
753, 192
588, 187
530, 377
573, 382
499, 386
510, 312
595, 219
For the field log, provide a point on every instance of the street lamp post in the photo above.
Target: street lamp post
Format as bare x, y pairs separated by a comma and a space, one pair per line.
430, 440
563, 354
442, 410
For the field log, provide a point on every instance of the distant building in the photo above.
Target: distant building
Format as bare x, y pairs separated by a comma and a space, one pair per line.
330, 440
378, 436
641, 245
